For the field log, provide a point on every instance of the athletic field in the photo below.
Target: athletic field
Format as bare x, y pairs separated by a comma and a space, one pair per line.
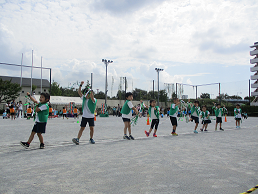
209, 162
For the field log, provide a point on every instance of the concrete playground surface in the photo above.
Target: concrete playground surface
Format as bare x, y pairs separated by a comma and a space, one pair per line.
207, 162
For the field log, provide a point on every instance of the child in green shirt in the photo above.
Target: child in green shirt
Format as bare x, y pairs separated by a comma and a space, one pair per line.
42, 110
127, 115
237, 114
153, 112
88, 109
205, 115
173, 115
219, 113
195, 111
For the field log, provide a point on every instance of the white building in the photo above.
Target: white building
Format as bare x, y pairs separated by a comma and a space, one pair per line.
255, 70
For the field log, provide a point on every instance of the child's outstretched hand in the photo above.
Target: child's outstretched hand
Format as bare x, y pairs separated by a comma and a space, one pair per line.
188, 100
82, 82
28, 93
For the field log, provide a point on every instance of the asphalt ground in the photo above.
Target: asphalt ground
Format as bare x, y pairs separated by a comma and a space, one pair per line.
207, 162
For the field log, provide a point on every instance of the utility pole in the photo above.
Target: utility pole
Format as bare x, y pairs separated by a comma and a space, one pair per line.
158, 70
106, 62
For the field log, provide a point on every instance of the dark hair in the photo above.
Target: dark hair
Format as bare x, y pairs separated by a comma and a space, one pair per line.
196, 101
63, 107
128, 94
75, 107
152, 100
237, 104
204, 106
29, 106
50, 106
218, 104
46, 95
85, 90
11, 106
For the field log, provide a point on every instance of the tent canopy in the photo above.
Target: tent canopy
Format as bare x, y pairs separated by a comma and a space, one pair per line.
62, 100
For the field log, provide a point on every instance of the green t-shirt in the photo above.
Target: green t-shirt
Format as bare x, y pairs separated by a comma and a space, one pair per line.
42, 116
126, 109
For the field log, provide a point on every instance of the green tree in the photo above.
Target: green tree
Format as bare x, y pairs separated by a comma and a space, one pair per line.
251, 98
205, 95
8, 91
34, 87
55, 89
163, 96
100, 95
139, 94
235, 97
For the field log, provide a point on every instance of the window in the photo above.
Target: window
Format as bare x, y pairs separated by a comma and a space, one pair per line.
22, 92
44, 90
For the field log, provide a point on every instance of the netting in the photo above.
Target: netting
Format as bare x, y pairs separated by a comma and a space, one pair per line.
116, 83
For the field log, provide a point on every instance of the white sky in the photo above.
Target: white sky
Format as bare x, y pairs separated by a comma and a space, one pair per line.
194, 41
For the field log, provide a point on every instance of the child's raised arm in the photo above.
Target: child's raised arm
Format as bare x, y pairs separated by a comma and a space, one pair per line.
92, 96
32, 99
80, 89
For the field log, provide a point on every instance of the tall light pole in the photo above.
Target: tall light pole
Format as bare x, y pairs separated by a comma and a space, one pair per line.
106, 62
158, 70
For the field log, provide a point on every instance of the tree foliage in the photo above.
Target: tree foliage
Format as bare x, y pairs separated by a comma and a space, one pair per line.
205, 95
226, 96
8, 91
56, 90
34, 87
100, 95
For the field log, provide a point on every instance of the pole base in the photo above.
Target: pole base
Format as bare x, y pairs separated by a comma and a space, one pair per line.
104, 115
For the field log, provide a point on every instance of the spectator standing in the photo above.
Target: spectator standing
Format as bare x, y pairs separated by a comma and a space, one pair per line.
118, 110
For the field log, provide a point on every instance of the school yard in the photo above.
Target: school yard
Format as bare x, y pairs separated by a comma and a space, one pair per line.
208, 162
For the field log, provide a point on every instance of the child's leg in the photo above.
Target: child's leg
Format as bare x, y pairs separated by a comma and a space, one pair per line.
216, 125
40, 137
236, 122
156, 126
152, 125
63, 116
174, 128
196, 125
80, 132
125, 127
91, 131
31, 137
206, 125
129, 128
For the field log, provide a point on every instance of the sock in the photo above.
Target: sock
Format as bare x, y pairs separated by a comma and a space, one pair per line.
174, 131
125, 134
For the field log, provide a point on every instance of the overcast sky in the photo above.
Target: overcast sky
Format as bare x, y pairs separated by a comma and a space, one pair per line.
194, 41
